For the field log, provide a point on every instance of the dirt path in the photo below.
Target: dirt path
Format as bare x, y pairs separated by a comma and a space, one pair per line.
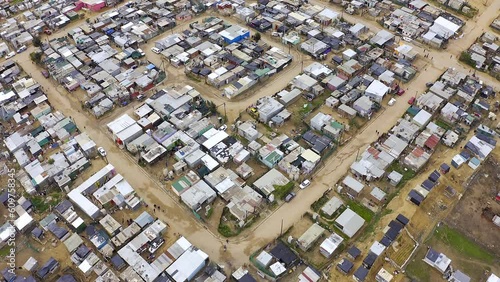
334, 169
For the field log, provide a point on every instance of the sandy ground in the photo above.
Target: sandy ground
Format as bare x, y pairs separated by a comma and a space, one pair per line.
239, 249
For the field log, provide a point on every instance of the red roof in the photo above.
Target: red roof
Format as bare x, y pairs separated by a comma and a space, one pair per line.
432, 141
418, 152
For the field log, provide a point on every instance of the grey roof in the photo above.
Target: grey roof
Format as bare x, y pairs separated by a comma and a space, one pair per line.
144, 219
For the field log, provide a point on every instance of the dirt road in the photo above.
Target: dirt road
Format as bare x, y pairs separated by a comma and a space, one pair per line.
336, 166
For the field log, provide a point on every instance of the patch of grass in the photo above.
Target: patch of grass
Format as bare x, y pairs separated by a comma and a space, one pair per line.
443, 124
462, 244
5, 251
210, 212
370, 228
42, 204
226, 231
417, 269
305, 110
280, 191
406, 172
361, 210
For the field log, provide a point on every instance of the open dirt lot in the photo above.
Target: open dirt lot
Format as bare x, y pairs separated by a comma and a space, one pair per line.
480, 194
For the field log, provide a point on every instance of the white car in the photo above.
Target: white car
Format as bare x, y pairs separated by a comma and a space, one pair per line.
391, 102
407, 39
305, 184
155, 50
223, 127
10, 55
101, 151
22, 49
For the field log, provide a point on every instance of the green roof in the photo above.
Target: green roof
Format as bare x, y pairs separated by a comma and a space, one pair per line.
273, 157
336, 125
262, 72
181, 184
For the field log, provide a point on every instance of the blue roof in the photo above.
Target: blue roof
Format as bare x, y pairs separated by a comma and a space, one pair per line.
403, 219
66, 278
345, 265
150, 66
361, 273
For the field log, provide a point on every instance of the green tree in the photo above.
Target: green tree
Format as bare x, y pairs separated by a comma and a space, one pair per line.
37, 42
36, 57
257, 37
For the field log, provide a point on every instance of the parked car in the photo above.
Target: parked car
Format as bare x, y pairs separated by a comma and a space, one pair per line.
305, 184
400, 92
289, 197
155, 50
10, 55
155, 245
411, 101
101, 151
22, 49
45, 73
429, 84
391, 102
141, 97
407, 39
223, 127
47, 31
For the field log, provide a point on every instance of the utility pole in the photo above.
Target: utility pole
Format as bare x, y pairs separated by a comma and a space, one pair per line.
281, 231
225, 113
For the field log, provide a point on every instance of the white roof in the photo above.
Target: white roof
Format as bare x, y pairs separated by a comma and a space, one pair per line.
377, 248
129, 131
264, 258
327, 13
309, 275
179, 247
209, 162
493, 278
83, 203
350, 221
215, 139
377, 88
353, 184
385, 275
349, 53
277, 268
120, 124
187, 265
5, 231
24, 220
422, 118
448, 26
331, 243
310, 155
